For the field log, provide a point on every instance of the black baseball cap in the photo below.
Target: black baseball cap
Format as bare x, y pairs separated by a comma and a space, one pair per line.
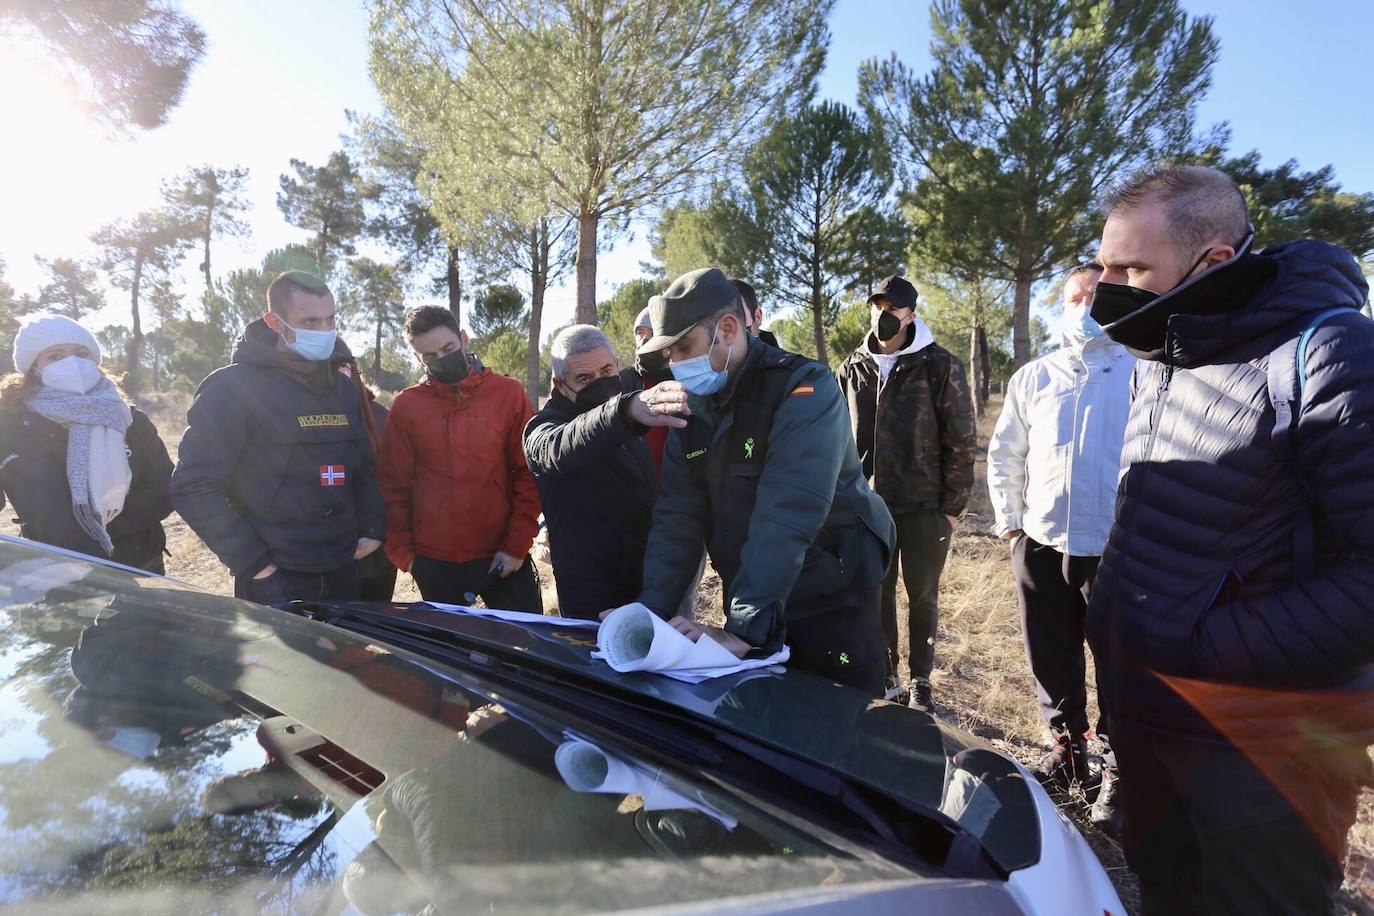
896, 289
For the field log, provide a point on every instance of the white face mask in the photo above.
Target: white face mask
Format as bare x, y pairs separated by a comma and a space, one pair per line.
312, 345
72, 374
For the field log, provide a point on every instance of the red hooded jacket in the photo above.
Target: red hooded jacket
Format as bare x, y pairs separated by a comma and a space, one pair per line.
453, 473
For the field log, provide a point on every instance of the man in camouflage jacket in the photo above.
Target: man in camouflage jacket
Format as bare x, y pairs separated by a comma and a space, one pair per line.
913, 423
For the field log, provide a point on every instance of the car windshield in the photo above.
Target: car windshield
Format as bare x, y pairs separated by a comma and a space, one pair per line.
162, 749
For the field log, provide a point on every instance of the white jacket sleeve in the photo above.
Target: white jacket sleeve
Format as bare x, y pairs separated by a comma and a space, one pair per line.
1007, 451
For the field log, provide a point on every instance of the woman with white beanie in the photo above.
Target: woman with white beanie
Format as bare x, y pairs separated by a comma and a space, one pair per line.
81, 467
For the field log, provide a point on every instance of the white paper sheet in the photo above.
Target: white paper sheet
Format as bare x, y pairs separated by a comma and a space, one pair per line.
587, 768
634, 638
513, 616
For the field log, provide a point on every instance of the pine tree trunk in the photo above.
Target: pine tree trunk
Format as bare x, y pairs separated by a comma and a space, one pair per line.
818, 328
455, 286
377, 351
133, 381
817, 310
539, 279
975, 368
1020, 317
586, 268
984, 366
209, 230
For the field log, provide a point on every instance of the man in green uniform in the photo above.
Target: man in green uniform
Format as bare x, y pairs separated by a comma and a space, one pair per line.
766, 475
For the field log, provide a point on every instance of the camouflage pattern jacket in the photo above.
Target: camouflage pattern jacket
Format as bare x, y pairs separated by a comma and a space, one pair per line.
915, 430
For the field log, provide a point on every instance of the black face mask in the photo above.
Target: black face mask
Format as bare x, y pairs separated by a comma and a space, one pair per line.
1138, 319
451, 368
597, 392
889, 326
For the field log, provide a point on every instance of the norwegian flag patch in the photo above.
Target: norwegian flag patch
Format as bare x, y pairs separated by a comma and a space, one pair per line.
332, 475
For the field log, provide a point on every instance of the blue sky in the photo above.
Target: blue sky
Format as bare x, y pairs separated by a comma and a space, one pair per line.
278, 76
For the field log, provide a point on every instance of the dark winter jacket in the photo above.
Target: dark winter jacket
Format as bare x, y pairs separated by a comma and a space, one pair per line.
1198, 579
788, 521
275, 465
33, 474
597, 482
915, 431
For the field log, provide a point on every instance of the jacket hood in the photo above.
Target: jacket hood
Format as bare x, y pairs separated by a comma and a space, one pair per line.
258, 346
1306, 277
920, 338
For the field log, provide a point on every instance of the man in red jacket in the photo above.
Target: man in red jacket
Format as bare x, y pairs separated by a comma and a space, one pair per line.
462, 510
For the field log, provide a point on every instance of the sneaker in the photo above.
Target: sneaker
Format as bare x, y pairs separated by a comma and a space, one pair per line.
920, 696
1106, 816
1066, 764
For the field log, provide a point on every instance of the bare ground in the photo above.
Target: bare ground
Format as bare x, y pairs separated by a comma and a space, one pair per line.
981, 681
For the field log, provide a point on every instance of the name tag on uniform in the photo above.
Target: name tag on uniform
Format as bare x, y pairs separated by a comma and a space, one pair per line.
332, 475
323, 421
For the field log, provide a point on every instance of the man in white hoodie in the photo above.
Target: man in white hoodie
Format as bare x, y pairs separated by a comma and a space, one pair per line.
1053, 464
913, 422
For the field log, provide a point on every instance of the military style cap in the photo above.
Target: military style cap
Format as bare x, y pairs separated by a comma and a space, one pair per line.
896, 289
693, 297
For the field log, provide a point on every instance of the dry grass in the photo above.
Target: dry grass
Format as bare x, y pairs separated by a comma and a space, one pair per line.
981, 681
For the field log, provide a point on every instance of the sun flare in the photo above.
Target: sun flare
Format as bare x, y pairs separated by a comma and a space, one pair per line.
50, 159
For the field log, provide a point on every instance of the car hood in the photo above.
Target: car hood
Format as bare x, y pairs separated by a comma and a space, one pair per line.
899, 751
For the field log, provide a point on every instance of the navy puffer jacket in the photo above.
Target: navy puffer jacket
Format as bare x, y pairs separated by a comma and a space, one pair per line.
1197, 580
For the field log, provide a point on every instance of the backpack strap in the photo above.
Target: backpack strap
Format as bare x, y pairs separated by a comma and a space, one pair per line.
1287, 377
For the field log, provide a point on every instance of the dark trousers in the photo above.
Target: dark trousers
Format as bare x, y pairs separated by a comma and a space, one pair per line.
922, 548
379, 586
448, 583
1053, 589
845, 645
1207, 831
289, 585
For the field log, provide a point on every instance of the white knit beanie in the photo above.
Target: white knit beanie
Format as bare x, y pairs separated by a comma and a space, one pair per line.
37, 334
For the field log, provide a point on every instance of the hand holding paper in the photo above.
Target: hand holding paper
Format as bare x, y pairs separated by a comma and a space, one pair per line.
634, 638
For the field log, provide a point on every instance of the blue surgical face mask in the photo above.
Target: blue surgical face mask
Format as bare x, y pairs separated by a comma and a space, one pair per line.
1079, 323
312, 345
696, 373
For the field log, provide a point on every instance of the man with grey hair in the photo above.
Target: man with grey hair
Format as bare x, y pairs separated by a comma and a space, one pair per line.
1231, 609
592, 467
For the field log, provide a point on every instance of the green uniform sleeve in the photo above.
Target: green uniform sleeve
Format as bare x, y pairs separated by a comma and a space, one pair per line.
678, 535
806, 448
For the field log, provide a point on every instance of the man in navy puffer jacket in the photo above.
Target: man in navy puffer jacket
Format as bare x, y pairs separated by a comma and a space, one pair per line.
1237, 662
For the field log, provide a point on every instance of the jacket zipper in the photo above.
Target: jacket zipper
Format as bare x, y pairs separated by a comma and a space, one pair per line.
1161, 397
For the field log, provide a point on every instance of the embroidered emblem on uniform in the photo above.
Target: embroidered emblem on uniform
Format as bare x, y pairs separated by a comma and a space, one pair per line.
323, 420
697, 454
332, 475
749, 447
802, 391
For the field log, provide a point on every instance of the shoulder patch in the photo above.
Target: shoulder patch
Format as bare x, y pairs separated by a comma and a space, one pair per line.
802, 391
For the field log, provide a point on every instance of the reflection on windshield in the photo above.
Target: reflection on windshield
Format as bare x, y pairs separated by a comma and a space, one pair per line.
164, 749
